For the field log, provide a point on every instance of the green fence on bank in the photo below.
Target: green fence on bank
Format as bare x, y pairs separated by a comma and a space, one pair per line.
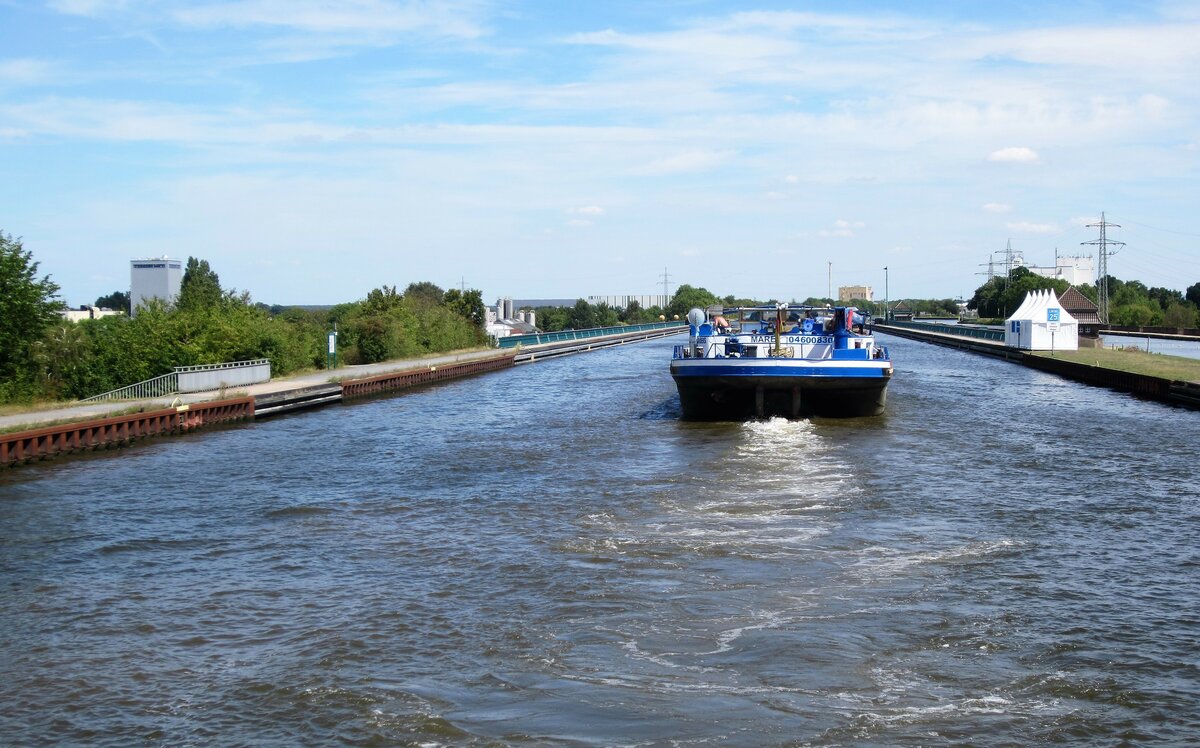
512, 341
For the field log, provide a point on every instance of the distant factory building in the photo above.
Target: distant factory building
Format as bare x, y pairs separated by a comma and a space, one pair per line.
503, 321
1074, 270
154, 278
645, 301
88, 312
850, 293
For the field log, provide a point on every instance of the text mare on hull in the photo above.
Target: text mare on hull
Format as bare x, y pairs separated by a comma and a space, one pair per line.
783, 360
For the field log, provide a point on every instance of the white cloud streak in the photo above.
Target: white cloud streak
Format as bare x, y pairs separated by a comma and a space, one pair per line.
1014, 155
1027, 227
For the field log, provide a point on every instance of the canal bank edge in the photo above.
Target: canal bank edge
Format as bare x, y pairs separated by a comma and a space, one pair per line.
88, 434
1174, 392
21, 447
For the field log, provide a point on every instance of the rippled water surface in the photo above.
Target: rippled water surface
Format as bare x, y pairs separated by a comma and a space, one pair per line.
547, 555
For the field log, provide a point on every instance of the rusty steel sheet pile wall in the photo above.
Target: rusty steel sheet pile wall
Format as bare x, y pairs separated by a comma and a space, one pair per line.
37, 444
399, 380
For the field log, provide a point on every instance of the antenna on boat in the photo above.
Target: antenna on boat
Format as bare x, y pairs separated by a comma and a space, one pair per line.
779, 327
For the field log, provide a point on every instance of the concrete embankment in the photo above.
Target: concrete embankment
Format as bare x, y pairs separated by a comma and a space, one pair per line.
1186, 394
94, 426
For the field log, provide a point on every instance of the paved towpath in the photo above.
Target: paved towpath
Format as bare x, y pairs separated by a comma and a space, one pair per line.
89, 411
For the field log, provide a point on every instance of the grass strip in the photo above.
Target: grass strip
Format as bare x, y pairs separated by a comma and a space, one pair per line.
1175, 368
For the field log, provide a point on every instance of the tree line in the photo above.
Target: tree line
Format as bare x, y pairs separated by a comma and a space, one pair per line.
584, 315
1129, 302
45, 357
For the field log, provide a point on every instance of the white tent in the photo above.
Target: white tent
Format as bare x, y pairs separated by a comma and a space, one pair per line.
1041, 324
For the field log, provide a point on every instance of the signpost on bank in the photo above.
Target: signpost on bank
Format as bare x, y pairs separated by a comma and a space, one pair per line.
331, 355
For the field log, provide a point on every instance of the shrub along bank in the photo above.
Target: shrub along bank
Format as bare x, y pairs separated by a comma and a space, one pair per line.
49, 358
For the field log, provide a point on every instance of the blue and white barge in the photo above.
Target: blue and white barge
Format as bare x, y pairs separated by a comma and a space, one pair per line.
783, 360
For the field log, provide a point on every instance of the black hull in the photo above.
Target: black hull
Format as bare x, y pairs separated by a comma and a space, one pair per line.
739, 398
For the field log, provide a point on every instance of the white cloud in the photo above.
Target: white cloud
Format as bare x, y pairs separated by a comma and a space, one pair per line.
588, 210
682, 163
773, 195
24, 71
1148, 48
320, 16
791, 179
997, 207
842, 229
578, 223
1014, 155
87, 7
1026, 227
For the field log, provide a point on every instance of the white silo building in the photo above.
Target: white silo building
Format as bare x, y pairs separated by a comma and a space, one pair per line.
154, 278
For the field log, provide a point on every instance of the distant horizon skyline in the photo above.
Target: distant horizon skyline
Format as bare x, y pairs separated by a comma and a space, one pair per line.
313, 151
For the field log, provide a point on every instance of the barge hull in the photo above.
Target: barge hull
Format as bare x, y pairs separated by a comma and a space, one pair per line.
733, 398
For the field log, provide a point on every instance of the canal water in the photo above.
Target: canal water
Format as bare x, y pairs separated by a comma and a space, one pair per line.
1166, 346
548, 556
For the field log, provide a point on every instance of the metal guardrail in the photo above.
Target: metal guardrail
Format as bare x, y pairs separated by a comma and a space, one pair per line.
168, 384
217, 367
513, 341
962, 331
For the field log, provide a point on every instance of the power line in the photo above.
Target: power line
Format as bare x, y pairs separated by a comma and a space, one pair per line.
666, 283
1156, 228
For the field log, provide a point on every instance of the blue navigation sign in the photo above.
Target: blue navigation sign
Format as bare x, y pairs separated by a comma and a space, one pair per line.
1052, 314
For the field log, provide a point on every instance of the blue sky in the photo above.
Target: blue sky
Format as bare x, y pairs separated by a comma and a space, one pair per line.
311, 151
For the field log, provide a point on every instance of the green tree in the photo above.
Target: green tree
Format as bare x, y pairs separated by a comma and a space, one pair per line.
582, 315
28, 307
688, 298
382, 300
117, 301
63, 355
424, 293
553, 318
998, 298
1193, 294
1135, 314
1180, 315
606, 316
200, 287
469, 305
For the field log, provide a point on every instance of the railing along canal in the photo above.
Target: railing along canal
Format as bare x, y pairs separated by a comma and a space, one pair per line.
593, 332
963, 331
192, 379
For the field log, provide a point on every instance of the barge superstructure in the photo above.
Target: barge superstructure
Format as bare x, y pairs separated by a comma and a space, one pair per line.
782, 360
